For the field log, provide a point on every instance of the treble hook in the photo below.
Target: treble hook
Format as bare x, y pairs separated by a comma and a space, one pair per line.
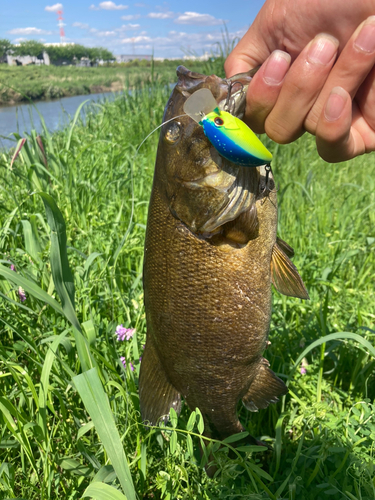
264, 187
230, 87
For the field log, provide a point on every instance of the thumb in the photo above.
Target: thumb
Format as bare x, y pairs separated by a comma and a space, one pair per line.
251, 51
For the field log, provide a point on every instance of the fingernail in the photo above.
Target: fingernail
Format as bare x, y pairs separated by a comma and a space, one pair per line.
276, 67
322, 49
366, 37
335, 104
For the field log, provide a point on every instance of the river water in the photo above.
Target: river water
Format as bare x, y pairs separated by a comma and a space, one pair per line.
22, 118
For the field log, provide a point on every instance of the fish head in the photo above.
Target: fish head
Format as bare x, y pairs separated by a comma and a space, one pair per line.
202, 188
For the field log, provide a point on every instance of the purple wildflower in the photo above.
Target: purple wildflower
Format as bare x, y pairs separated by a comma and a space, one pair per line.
123, 361
124, 333
304, 365
140, 359
21, 294
12, 267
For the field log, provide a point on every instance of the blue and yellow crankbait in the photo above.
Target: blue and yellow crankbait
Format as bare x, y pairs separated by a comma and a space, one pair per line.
230, 136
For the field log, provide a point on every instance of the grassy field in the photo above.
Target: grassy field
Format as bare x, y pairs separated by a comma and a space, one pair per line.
20, 83
72, 228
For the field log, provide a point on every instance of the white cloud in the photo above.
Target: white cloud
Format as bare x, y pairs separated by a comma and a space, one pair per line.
172, 44
130, 17
29, 31
109, 6
82, 26
136, 39
161, 15
199, 19
54, 8
126, 27
106, 33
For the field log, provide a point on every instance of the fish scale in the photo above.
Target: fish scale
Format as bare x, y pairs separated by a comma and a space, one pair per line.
208, 292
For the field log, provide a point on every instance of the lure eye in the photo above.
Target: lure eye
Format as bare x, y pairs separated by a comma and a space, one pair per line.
218, 121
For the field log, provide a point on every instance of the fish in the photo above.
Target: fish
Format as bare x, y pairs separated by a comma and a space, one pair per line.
211, 253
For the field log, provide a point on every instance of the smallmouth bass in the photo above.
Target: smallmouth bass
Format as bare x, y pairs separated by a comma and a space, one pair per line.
211, 253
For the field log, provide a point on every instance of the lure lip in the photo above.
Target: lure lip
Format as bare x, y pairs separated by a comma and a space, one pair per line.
199, 104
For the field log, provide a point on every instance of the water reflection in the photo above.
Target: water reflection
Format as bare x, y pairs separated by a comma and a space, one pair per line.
22, 118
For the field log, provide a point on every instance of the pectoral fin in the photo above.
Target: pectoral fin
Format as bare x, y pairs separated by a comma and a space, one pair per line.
265, 389
285, 247
156, 394
284, 274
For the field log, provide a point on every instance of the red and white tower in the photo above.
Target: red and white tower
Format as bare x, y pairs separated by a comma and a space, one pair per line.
61, 25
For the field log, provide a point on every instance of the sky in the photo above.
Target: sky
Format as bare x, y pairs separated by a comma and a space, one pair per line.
167, 29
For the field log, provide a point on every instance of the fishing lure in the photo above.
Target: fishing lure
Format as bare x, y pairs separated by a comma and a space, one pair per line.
230, 136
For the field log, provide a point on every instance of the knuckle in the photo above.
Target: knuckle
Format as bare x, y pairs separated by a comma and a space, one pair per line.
281, 132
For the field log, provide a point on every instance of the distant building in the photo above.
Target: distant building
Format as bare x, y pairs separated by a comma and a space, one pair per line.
84, 62
25, 60
58, 44
123, 58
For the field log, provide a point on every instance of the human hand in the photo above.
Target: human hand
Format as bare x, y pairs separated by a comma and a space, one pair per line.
313, 89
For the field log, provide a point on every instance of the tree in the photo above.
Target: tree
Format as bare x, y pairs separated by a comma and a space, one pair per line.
70, 54
30, 48
5, 48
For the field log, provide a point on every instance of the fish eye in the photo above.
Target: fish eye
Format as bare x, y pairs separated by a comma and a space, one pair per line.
172, 133
218, 121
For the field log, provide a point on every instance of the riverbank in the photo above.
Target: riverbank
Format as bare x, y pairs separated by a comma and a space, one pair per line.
24, 83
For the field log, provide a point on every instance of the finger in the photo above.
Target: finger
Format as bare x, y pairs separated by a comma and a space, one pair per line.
365, 97
336, 139
265, 88
354, 64
251, 51
303, 83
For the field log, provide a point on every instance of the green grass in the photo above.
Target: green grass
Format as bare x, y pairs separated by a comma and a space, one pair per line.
69, 410
50, 82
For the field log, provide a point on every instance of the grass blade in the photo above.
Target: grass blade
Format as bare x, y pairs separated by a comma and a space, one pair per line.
341, 336
63, 277
76, 115
102, 491
30, 287
96, 402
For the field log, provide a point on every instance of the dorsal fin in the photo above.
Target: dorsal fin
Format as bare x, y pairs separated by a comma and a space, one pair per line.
284, 274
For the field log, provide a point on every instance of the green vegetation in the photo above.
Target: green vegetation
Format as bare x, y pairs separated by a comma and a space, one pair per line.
5, 48
65, 54
23, 83
69, 410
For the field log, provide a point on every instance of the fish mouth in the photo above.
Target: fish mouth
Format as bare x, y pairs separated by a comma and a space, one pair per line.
212, 191
230, 93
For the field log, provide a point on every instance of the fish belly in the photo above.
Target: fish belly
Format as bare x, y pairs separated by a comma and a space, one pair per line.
208, 310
